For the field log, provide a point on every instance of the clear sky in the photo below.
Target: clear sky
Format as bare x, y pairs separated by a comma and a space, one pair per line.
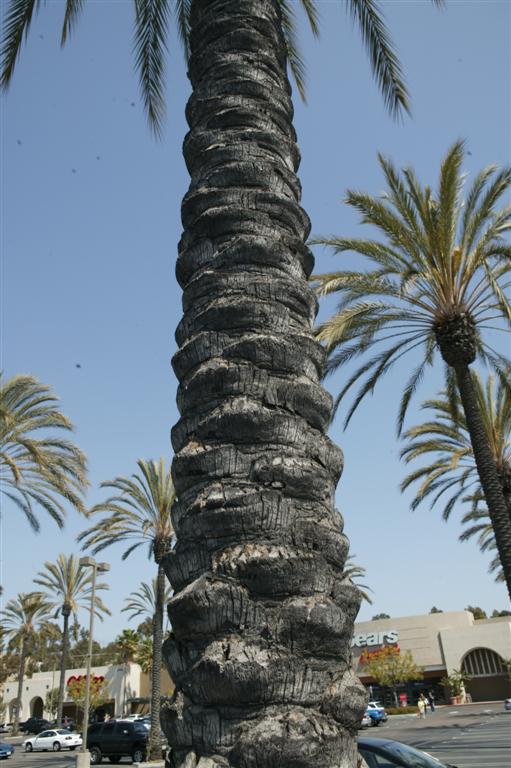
90, 223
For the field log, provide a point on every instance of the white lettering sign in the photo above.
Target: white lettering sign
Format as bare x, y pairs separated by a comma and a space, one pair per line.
389, 636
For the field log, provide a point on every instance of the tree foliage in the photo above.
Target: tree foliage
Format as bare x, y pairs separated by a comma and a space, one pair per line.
35, 471
151, 33
450, 477
389, 667
439, 258
99, 693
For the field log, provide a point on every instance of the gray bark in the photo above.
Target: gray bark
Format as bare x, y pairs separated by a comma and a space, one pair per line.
154, 747
262, 614
66, 611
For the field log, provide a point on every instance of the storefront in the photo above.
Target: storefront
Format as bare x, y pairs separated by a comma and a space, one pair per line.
441, 643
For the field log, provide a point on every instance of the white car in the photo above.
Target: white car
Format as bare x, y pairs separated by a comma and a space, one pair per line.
54, 740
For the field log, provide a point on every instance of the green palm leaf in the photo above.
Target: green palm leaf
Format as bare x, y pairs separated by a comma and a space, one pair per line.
446, 441
35, 470
420, 274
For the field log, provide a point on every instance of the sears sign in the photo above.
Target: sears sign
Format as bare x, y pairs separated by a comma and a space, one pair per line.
368, 639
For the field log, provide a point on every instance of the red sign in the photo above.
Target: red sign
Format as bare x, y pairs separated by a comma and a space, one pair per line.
77, 678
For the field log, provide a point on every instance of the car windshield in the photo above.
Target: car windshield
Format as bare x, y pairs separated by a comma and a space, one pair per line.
413, 757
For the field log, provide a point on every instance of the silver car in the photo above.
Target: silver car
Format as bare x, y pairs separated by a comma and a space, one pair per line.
53, 740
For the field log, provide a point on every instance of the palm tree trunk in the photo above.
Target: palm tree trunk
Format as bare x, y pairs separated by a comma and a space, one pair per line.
63, 662
487, 470
21, 677
154, 734
262, 613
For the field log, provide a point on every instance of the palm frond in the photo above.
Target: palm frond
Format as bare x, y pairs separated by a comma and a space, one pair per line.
17, 20
384, 61
150, 47
73, 10
182, 13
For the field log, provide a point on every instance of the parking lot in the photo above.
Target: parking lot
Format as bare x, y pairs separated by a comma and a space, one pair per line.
468, 737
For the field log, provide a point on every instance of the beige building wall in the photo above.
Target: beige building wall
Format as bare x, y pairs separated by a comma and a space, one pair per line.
439, 643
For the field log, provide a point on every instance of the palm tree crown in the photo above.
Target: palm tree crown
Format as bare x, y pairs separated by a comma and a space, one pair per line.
151, 42
68, 587
439, 276
139, 512
22, 616
38, 470
143, 601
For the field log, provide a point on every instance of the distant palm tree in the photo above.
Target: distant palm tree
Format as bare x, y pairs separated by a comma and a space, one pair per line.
44, 471
478, 524
452, 468
68, 587
441, 274
22, 618
143, 602
139, 512
355, 572
127, 645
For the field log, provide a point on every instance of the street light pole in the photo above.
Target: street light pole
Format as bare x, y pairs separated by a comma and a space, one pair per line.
83, 759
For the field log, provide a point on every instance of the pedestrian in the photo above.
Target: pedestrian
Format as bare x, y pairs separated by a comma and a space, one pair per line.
431, 700
420, 704
425, 702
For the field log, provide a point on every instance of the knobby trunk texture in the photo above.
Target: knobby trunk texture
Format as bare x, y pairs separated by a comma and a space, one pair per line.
262, 616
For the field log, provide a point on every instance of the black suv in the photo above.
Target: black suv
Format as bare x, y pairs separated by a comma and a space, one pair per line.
34, 725
115, 739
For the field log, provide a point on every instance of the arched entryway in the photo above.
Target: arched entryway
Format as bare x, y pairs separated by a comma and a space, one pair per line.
488, 675
36, 707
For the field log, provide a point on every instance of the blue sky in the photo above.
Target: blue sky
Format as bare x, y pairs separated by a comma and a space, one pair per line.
90, 224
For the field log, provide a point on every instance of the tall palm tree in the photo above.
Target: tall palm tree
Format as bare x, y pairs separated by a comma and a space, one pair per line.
262, 613
45, 471
139, 512
452, 469
143, 601
68, 587
22, 618
436, 279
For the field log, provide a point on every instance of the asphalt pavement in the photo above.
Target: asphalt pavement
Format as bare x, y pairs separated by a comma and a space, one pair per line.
469, 736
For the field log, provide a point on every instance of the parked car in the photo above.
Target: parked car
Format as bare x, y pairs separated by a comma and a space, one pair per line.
6, 750
507, 704
5, 727
133, 717
378, 752
115, 739
366, 721
67, 723
54, 739
376, 712
34, 725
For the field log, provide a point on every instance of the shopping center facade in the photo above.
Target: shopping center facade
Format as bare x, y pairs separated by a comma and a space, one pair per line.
441, 643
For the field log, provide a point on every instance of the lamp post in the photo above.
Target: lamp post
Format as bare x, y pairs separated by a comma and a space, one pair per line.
83, 758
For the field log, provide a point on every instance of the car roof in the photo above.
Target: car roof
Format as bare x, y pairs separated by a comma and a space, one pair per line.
365, 741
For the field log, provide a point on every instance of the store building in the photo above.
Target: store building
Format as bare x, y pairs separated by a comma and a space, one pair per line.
441, 643
128, 691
